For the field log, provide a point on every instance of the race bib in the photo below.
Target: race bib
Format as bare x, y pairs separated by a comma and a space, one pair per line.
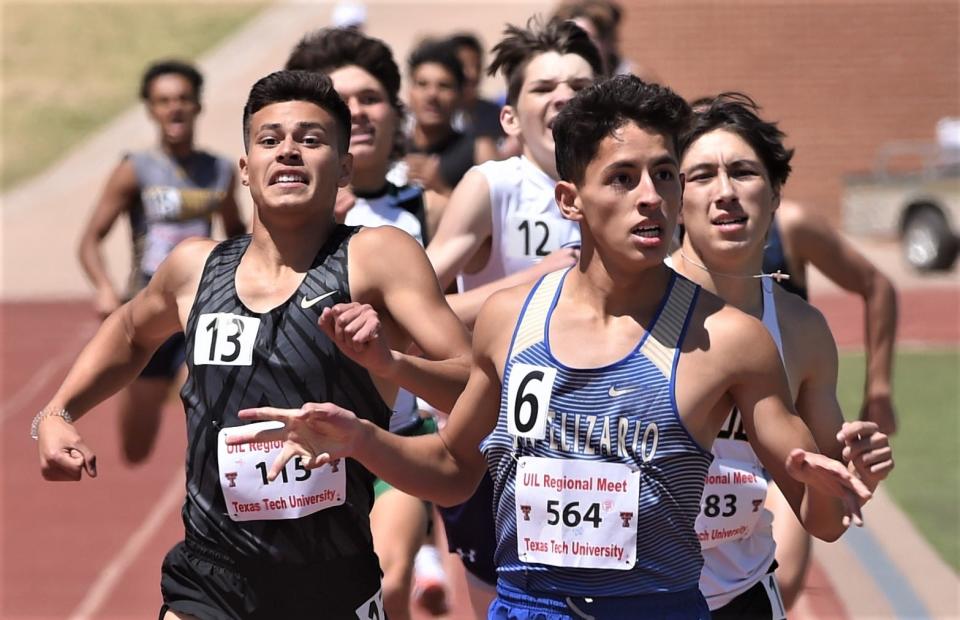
297, 491
528, 399
577, 514
732, 502
530, 237
225, 339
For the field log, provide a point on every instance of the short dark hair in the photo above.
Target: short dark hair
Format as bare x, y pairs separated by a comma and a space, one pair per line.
441, 53
738, 113
521, 45
597, 111
605, 15
166, 67
316, 88
466, 39
328, 49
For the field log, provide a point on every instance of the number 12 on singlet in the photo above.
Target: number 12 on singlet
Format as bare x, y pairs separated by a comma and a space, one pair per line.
224, 339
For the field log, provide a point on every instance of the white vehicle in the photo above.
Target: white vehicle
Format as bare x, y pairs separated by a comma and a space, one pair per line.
921, 208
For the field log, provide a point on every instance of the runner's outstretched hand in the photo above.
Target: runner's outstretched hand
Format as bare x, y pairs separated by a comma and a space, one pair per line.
319, 433
832, 478
866, 451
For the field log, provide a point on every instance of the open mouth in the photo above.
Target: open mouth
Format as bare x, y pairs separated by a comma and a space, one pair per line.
288, 177
647, 231
361, 136
729, 220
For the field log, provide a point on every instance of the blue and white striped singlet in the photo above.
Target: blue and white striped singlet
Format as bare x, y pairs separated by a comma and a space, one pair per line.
620, 418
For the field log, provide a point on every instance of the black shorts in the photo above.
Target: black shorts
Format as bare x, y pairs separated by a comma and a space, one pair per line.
201, 582
167, 360
471, 532
761, 602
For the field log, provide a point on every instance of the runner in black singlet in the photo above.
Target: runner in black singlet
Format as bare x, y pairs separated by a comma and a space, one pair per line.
263, 543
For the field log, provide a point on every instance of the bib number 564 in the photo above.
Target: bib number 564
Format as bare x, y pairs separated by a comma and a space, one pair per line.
570, 514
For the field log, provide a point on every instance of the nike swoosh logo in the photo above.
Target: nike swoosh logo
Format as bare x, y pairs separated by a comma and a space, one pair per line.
309, 303
614, 392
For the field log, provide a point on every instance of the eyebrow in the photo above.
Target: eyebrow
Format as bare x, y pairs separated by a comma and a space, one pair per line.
745, 161
300, 125
631, 163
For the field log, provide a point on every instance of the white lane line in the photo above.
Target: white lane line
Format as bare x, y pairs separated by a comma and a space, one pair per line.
39, 380
111, 575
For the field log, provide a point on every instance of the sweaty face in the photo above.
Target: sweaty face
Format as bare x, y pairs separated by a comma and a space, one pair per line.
173, 104
630, 196
728, 201
550, 81
373, 120
293, 163
433, 95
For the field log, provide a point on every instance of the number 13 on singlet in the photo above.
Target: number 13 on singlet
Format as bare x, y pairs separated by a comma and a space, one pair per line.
224, 339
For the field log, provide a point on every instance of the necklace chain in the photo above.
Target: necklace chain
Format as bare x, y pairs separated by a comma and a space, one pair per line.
778, 276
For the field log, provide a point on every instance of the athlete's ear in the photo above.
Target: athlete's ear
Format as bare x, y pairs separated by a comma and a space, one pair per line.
346, 169
244, 176
776, 199
510, 121
568, 200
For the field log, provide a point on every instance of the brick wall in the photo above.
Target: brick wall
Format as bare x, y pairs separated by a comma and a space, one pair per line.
842, 77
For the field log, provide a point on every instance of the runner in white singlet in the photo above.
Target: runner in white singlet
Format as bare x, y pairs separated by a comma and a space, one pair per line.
502, 218
735, 166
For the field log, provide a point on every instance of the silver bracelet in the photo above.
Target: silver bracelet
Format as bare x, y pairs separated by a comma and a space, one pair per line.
35, 425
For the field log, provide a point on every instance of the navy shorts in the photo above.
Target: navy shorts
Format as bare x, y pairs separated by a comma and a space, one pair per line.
167, 360
204, 583
515, 604
471, 531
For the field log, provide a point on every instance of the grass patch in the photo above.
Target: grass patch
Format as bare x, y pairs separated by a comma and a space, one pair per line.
68, 67
926, 481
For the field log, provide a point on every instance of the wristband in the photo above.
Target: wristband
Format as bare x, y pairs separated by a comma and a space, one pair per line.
35, 425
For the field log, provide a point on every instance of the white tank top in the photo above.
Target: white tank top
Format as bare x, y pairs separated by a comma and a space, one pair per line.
391, 208
526, 221
735, 530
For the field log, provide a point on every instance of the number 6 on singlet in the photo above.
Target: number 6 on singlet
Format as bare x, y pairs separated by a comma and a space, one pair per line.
528, 399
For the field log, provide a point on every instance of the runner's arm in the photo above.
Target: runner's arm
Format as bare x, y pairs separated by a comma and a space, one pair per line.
118, 196
817, 392
821, 491
860, 444
466, 224
444, 467
390, 271
119, 351
814, 242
